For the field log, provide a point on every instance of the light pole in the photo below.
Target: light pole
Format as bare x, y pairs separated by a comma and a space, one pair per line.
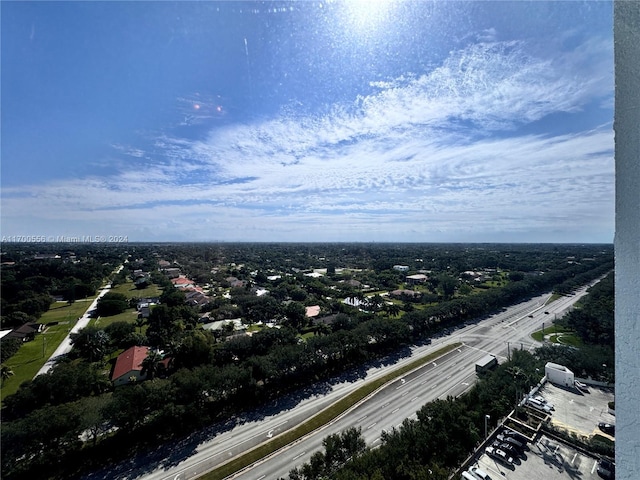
486, 418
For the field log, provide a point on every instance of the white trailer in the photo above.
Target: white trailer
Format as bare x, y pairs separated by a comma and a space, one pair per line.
559, 375
486, 363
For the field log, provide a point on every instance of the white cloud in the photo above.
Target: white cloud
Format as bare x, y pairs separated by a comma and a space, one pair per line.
419, 160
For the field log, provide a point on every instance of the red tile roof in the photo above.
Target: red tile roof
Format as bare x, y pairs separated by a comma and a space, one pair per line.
129, 360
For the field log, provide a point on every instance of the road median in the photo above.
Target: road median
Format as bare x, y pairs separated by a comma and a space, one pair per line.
319, 420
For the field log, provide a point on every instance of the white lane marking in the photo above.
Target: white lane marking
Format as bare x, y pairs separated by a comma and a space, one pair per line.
299, 455
395, 410
372, 425
574, 458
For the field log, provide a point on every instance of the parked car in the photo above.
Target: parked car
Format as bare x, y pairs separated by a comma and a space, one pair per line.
507, 448
519, 446
499, 455
607, 428
581, 386
516, 435
606, 469
543, 407
479, 473
544, 401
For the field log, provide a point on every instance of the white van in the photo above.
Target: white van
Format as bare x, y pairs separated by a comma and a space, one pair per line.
479, 474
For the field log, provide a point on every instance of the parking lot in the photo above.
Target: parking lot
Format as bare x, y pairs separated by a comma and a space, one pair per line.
578, 411
546, 459
575, 411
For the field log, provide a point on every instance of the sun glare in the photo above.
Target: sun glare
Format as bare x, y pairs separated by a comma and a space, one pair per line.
366, 15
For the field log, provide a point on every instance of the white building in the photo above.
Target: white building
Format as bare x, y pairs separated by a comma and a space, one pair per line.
559, 375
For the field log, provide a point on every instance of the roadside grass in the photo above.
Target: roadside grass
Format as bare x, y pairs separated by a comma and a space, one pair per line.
567, 339
554, 331
599, 438
30, 358
553, 298
320, 419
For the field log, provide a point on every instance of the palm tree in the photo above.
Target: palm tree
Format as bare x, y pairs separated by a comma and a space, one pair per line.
140, 321
393, 310
323, 329
6, 372
151, 364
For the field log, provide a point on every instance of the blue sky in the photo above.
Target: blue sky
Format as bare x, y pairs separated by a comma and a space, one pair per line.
308, 121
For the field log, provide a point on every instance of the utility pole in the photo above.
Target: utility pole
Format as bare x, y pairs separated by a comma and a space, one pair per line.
486, 418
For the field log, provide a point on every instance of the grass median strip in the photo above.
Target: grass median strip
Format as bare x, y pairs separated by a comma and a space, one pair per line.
317, 421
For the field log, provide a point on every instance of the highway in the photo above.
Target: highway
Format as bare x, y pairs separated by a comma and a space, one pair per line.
449, 375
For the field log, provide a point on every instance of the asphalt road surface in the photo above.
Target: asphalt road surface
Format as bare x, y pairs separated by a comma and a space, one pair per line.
450, 375
83, 321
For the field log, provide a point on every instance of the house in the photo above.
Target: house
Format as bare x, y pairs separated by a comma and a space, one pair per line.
182, 282
171, 272
196, 298
408, 293
417, 278
144, 310
128, 366
26, 332
401, 268
312, 311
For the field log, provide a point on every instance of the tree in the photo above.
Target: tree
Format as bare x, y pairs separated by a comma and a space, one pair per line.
393, 309
118, 332
90, 343
448, 285
295, 313
9, 347
111, 304
6, 373
94, 415
172, 297
152, 364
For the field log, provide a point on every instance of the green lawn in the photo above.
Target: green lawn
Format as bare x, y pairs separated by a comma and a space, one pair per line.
129, 315
130, 291
33, 355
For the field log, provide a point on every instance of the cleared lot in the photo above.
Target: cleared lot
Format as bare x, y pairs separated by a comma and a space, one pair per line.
545, 460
